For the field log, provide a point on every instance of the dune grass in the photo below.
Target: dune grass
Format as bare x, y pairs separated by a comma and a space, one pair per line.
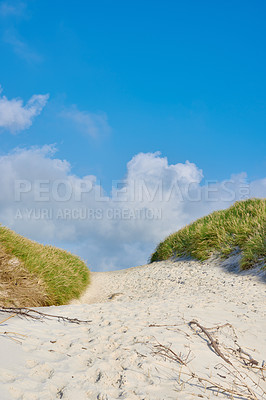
19, 287
240, 227
63, 275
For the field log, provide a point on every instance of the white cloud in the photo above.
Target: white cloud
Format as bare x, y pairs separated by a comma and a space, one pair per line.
109, 231
91, 124
15, 117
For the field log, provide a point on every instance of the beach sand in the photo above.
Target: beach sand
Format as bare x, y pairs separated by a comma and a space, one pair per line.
139, 343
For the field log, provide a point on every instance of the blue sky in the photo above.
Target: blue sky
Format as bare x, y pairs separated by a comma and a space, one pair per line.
128, 77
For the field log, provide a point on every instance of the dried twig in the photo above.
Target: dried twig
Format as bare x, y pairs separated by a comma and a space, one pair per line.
251, 360
235, 383
34, 314
167, 326
221, 388
4, 320
213, 343
163, 325
13, 333
166, 352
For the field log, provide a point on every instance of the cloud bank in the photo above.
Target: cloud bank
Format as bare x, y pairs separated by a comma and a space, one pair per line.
15, 117
41, 198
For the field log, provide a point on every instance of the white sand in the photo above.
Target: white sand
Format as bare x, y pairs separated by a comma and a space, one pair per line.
113, 356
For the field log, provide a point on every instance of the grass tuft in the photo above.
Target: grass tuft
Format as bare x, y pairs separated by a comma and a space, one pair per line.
241, 227
60, 274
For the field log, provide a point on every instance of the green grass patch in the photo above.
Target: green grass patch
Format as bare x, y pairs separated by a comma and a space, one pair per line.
64, 275
241, 227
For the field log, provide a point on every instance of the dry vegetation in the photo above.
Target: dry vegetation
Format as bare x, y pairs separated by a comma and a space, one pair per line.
235, 375
35, 275
18, 287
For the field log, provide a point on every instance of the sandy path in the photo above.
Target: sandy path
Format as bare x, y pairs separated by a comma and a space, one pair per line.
189, 281
113, 356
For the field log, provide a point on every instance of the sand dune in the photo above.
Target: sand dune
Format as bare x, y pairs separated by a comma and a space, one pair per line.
139, 344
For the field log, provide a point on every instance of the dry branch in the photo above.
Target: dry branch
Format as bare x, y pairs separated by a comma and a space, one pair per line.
34, 314
166, 352
251, 360
213, 343
235, 382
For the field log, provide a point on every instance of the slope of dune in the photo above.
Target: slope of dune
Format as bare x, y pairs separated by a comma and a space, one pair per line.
139, 343
36, 275
239, 228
